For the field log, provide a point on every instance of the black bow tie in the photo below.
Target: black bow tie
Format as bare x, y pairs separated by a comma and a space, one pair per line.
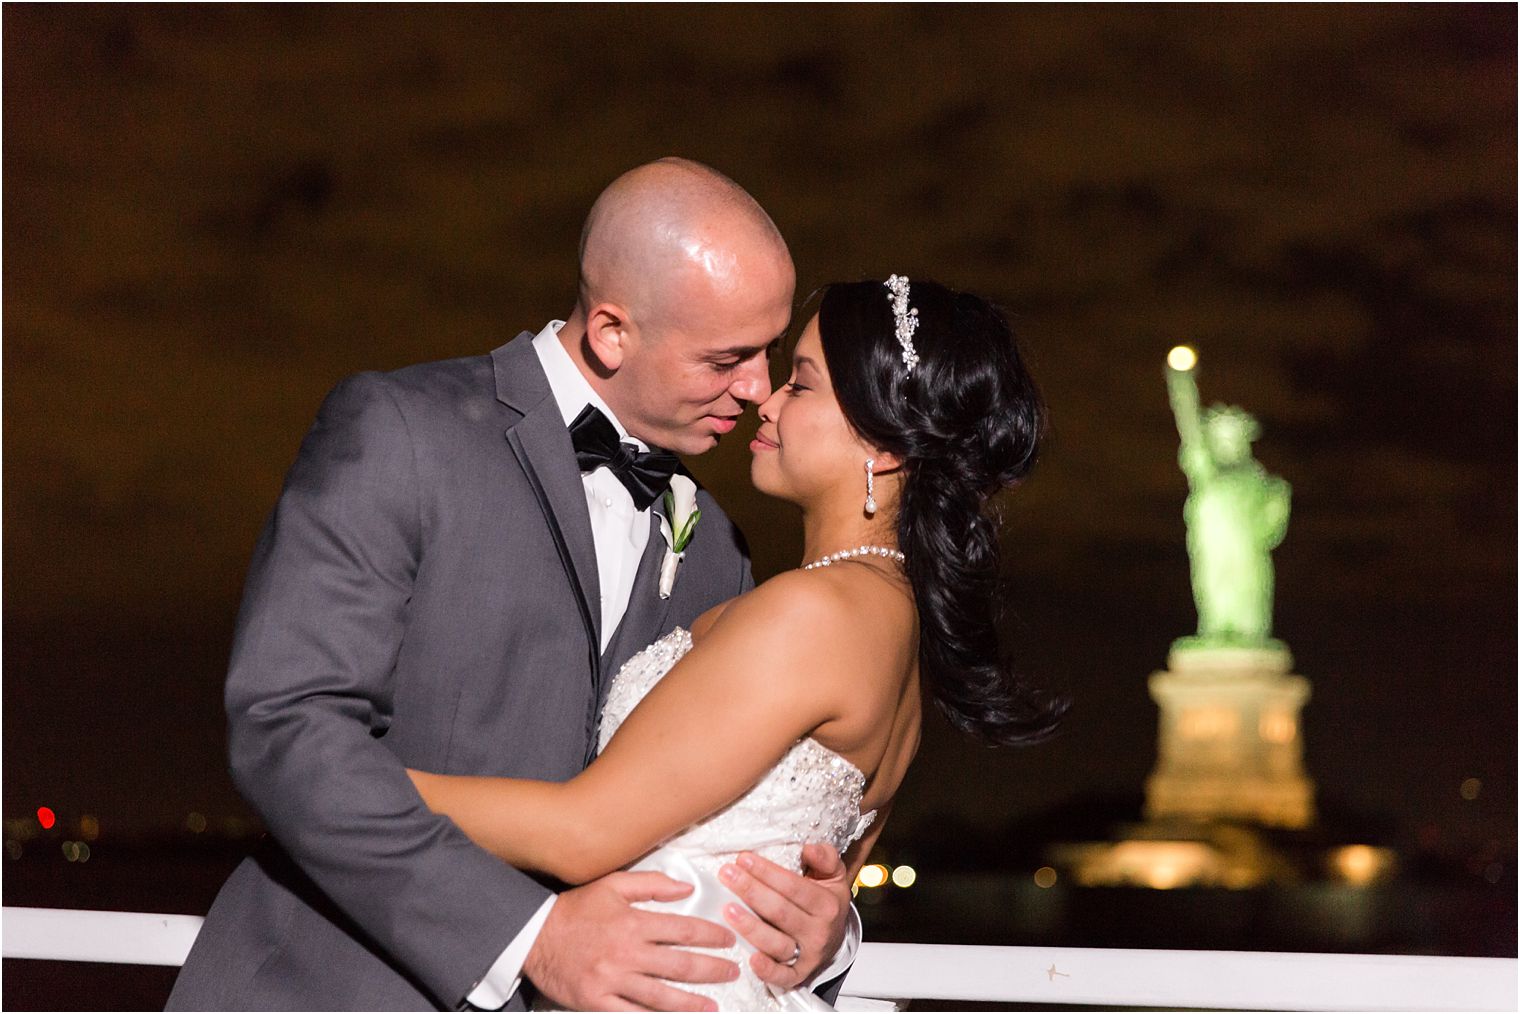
646, 474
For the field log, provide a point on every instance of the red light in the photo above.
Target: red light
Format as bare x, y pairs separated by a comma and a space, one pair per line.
45, 817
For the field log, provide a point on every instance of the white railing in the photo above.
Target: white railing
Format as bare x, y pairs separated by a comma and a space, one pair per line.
1225, 980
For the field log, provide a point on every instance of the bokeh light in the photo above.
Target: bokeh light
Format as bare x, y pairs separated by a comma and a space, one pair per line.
1361, 864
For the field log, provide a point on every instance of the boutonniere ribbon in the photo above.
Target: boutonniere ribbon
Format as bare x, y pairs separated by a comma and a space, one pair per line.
676, 525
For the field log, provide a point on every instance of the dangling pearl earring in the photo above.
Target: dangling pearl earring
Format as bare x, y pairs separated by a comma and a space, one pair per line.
870, 487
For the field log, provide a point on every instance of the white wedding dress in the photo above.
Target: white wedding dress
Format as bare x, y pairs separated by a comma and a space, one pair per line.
811, 795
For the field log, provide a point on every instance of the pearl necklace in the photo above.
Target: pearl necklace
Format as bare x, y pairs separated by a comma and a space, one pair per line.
845, 554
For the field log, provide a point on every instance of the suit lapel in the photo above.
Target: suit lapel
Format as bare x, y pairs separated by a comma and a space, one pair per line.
542, 445
645, 617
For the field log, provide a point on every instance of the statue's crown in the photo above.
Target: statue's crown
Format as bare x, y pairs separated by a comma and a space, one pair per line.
1231, 417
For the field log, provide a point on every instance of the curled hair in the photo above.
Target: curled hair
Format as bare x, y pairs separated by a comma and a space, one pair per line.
966, 423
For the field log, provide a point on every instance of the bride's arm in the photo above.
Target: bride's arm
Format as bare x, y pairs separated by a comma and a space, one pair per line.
772, 669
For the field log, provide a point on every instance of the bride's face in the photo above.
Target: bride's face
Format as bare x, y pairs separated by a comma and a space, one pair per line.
805, 450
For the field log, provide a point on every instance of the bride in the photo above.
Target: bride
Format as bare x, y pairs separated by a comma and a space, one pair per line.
791, 714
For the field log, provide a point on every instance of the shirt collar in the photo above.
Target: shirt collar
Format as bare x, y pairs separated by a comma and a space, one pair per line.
572, 392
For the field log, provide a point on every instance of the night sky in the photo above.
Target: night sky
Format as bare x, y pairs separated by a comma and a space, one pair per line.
211, 215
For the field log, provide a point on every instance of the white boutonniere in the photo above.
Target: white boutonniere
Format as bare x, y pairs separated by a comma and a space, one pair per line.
677, 524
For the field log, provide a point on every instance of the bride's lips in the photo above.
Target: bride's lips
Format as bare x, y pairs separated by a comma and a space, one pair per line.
760, 443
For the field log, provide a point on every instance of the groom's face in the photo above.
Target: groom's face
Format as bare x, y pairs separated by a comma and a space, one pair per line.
692, 374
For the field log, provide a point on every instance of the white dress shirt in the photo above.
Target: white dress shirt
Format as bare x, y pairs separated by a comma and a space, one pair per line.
621, 533
619, 529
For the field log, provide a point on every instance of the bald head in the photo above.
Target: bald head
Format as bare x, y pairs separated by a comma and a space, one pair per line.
670, 231
685, 286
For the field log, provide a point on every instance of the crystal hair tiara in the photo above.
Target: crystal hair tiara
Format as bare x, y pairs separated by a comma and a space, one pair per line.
906, 318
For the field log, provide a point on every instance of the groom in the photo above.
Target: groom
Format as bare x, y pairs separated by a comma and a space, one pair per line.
463, 556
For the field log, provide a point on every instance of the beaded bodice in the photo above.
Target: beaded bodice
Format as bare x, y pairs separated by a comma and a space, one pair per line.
811, 795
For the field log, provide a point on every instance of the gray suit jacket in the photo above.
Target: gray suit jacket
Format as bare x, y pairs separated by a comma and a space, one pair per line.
424, 595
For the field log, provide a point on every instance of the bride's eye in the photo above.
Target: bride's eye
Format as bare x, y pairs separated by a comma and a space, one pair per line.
793, 387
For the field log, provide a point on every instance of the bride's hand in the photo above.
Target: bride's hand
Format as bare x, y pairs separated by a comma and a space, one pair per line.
802, 915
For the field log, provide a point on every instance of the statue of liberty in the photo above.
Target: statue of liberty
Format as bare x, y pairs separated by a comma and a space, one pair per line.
1230, 745
1236, 514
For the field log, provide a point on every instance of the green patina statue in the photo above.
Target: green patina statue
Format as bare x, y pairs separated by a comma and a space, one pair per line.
1236, 514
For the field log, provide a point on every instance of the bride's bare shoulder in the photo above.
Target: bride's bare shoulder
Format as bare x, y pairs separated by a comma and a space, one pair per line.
764, 598
790, 593
822, 642
761, 600
816, 608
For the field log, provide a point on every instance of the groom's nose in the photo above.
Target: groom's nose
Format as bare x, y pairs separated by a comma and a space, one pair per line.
752, 381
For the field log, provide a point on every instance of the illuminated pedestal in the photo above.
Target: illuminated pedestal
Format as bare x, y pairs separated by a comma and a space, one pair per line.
1230, 747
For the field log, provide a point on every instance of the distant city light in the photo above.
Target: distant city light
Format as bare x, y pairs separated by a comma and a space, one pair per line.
71, 851
1493, 872
1361, 864
872, 876
1164, 877
1470, 788
1182, 358
1045, 876
904, 876
89, 827
83, 852
12, 849
195, 823
46, 817
1151, 863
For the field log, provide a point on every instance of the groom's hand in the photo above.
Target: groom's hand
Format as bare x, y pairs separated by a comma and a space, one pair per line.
597, 952
801, 915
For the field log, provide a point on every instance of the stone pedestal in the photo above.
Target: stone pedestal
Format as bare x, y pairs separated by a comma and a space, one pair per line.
1230, 745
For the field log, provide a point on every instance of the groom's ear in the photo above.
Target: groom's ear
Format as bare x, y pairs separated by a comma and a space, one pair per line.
607, 335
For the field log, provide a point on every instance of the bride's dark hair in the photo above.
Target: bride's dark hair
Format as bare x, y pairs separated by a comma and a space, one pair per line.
966, 423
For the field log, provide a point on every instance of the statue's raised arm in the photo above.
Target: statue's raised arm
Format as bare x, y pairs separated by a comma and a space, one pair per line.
1194, 457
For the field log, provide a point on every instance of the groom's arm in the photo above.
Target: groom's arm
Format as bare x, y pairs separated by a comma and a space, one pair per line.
310, 689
